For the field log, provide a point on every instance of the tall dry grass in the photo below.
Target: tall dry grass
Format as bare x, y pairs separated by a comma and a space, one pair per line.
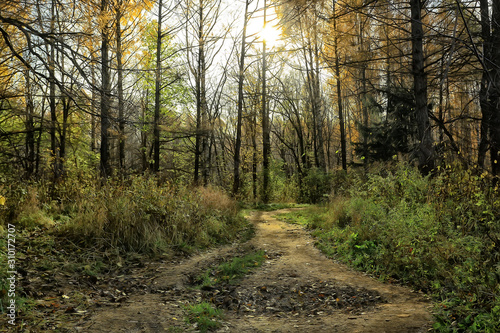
143, 216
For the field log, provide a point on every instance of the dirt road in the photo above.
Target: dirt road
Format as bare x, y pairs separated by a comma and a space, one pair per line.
297, 289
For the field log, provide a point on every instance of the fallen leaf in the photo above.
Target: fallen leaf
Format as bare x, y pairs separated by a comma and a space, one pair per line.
70, 309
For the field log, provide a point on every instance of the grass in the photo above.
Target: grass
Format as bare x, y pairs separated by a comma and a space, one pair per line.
232, 270
204, 316
306, 217
133, 215
146, 217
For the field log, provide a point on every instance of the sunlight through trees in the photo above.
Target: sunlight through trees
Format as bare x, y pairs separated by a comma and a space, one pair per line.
174, 88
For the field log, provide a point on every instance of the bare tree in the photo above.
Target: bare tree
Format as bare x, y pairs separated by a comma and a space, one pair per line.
241, 78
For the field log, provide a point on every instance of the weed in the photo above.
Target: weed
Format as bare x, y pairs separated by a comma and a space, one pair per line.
299, 217
204, 316
232, 270
239, 266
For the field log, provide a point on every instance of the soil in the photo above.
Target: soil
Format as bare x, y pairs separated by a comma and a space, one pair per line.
297, 289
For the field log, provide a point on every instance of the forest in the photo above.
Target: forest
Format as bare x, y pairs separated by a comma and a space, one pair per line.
149, 127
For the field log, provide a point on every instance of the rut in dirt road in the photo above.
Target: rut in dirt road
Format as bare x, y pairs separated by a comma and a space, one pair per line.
297, 289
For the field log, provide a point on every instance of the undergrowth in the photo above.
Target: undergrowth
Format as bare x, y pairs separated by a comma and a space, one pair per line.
136, 215
441, 235
83, 227
144, 216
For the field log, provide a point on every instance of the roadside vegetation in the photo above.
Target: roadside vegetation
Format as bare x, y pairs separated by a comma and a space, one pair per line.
438, 234
85, 231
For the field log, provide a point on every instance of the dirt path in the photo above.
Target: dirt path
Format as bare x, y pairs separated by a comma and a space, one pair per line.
296, 290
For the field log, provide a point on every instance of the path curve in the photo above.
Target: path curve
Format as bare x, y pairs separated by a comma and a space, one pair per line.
298, 262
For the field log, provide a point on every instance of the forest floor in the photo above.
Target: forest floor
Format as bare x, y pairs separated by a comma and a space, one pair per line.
296, 289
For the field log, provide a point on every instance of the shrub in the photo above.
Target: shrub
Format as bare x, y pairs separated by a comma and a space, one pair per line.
315, 187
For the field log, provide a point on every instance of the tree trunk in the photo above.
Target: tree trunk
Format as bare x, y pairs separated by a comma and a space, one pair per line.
311, 60
425, 149
156, 121
241, 77
93, 121
52, 101
343, 143
121, 107
318, 106
364, 106
495, 94
200, 140
39, 139
254, 156
144, 133
105, 97
30, 128
266, 142
485, 83
66, 104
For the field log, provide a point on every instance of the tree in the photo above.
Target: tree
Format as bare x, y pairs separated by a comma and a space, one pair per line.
494, 97
334, 62
119, 8
105, 90
241, 78
425, 150
393, 129
203, 43
266, 142
156, 122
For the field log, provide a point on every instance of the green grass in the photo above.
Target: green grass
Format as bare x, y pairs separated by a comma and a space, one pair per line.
204, 315
232, 270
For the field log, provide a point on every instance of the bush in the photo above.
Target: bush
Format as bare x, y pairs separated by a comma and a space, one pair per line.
315, 187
